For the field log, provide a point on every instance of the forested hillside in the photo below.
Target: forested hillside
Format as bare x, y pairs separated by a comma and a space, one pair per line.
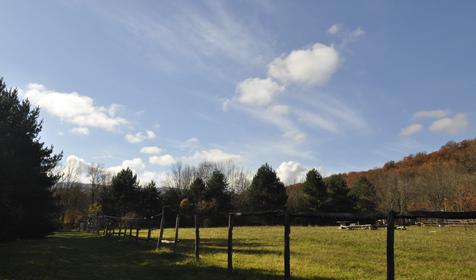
441, 180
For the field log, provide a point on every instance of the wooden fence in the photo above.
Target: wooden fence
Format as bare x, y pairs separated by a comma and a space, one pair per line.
390, 217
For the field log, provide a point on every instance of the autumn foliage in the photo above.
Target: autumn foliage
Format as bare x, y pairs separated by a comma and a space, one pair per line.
441, 180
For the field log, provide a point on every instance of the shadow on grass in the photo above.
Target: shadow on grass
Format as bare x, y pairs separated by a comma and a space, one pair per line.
73, 255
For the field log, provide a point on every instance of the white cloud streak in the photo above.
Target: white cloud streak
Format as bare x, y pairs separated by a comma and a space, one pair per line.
80, 130
411, 129
451, 125
140, 136
151, 150
435, 114
163, 160
213, 155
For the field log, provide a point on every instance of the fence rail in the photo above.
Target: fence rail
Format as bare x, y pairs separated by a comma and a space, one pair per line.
390, 217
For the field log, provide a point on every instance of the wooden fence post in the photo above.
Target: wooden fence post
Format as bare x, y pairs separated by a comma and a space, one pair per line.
125, 230
149, 231
97, 224
287, 249
137, 233
390, 243
177, 221
161, 232
197, 237
130, 232
230, 243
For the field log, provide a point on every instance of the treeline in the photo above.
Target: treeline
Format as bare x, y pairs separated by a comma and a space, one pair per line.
441, 180
213, 189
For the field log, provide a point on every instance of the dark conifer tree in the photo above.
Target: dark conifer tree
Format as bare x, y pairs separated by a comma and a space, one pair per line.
267, 192
27, 206
338, 199
315, 190
364, 194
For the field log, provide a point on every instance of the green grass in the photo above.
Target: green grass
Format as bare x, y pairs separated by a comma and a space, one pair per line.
316, 253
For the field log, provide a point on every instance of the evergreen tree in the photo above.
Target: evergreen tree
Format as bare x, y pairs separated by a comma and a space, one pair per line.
27, 206
217, 191
364, 194
124, 190
338, 199
148, 203
315, 189
196, 191
267, 192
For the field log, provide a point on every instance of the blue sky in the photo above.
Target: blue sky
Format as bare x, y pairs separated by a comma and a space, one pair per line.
338, 86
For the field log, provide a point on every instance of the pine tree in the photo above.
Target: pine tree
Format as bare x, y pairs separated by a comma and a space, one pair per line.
217, 191
196, 191
315, 189
338, 199
27, 206
267, 192
364, 194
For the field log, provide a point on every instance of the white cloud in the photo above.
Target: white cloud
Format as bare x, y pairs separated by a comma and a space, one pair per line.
411, 129
345, 35
147, 176
335, 28
77, 168
357, 33
278, 109
166, 159
312, 66
451, 125
435, 114
74, 108
257, 91
191, 143
225, 105
80, 130
296, 135
193, 140
134, 164
291, 172
151, 150
140, 136
214, 155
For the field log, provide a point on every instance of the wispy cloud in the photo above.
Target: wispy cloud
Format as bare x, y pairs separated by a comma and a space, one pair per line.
198, 35
451, 125
442, 121
346, 35
434, 114
411, 129
80, 130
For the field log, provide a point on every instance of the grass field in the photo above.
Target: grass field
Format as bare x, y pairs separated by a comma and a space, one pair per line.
316, 253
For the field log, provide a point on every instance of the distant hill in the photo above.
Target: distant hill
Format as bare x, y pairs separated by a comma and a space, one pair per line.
441, 180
